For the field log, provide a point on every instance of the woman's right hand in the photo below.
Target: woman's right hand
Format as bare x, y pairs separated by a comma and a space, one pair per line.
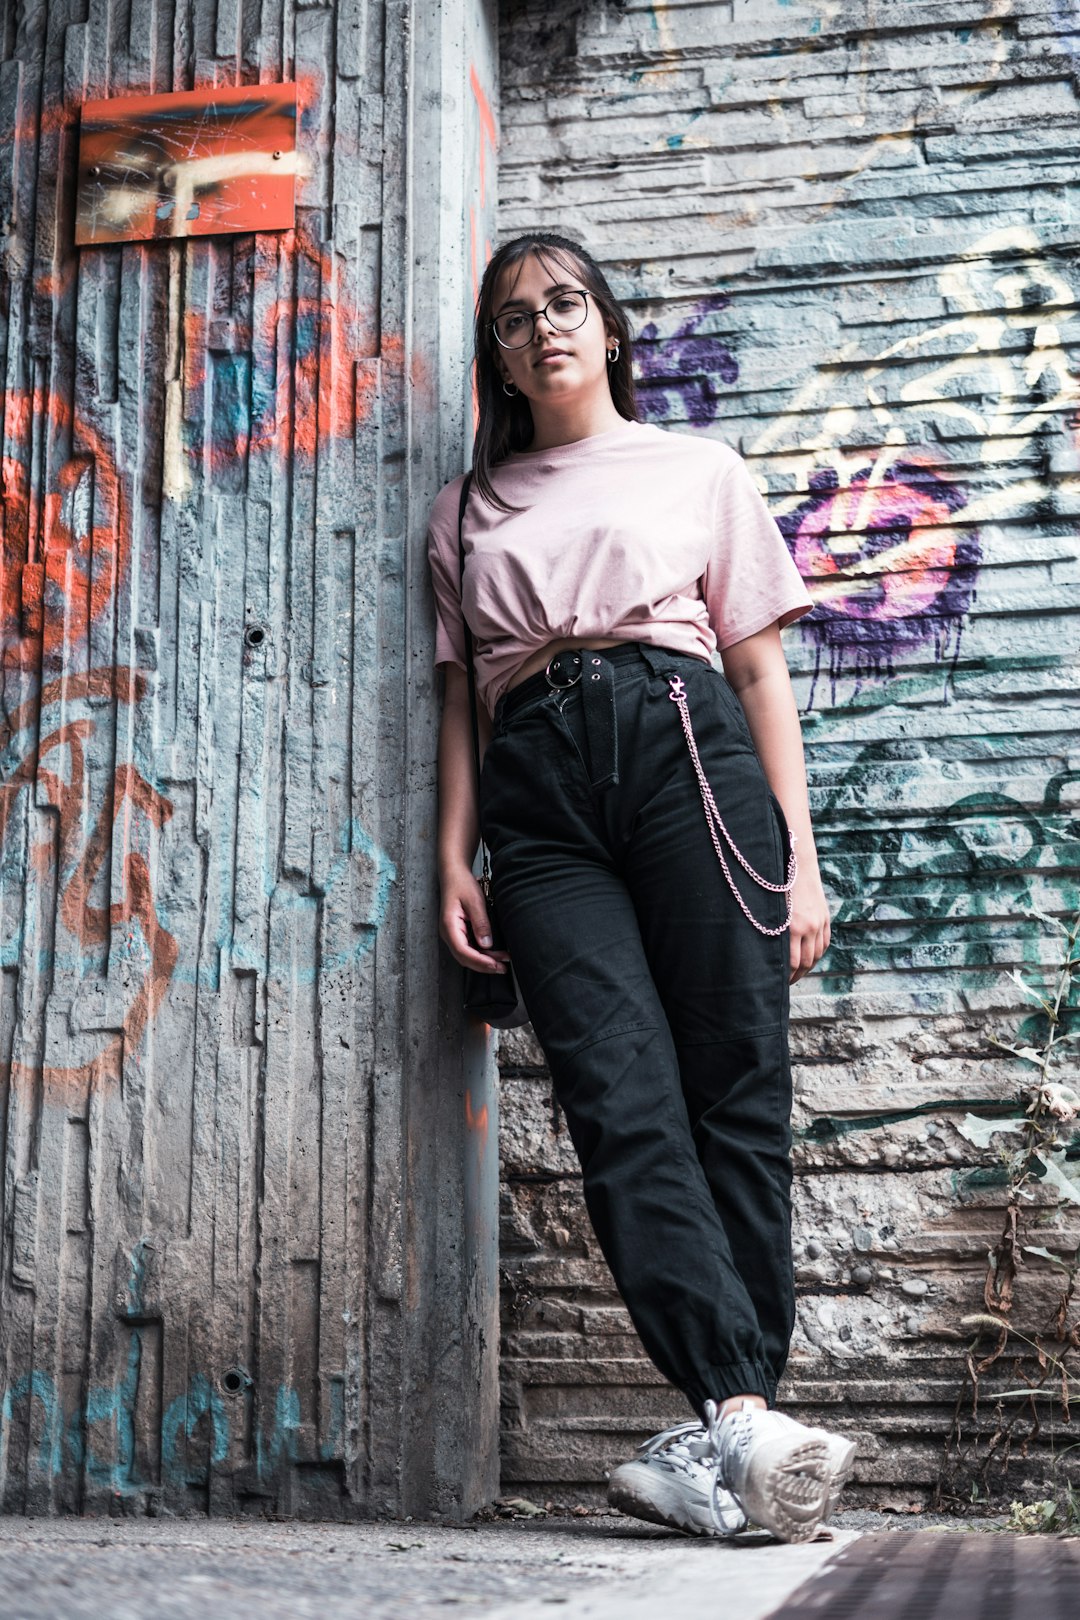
464, 925
463, 914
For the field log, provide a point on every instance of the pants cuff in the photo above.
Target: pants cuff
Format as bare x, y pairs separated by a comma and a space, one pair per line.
725, 1379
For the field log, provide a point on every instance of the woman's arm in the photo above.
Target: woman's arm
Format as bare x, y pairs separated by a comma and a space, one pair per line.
463, 914
758, 672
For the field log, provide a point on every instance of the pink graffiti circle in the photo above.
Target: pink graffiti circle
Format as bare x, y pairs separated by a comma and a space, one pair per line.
878, 552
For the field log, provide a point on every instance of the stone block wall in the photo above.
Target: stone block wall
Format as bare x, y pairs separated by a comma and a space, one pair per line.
846, 235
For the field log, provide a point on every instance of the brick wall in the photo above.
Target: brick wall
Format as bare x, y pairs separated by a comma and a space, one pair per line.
846, 237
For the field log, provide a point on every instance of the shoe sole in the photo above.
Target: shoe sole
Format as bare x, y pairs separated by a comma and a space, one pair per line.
841, 1463
841, 1455
787, 1488
622, 1495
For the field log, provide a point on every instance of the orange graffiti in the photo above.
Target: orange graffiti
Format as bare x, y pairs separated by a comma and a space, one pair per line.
80, 859
488, 136
63, 550
477, 1122
487, 123
307, 370
324, 395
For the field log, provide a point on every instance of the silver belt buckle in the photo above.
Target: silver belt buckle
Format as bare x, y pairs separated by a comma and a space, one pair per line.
563, 686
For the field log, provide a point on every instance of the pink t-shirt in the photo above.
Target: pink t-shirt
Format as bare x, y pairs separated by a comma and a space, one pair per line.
636, 534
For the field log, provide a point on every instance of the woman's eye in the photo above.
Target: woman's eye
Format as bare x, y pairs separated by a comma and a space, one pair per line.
563, 304
513, 323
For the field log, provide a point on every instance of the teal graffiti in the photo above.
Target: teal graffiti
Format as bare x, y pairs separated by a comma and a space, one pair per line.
114, 1407
283, 1438
828, 1127
675, 141
360, 842
909, 888
35, 1386
965, 1182
200, 1400
331, 1446
105, 1420
353, 843
70, 1445
137, 1277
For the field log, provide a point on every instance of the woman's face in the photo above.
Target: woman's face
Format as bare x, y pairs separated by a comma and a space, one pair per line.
552, 366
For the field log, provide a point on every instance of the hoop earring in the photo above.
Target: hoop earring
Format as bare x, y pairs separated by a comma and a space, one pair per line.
613, 354
510, 389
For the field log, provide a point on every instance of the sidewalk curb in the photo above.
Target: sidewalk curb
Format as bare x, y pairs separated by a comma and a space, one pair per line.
753, 1580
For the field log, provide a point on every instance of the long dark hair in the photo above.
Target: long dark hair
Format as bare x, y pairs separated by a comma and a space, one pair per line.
505, 423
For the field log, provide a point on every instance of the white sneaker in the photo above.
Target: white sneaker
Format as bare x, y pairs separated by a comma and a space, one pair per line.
673, 1481
841, 1462
777, 1470
841, 1455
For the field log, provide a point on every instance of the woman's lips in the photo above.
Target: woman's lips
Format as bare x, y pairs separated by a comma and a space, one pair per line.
553, 354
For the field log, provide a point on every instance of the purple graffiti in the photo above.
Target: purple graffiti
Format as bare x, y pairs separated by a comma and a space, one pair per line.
889, 568
680, 377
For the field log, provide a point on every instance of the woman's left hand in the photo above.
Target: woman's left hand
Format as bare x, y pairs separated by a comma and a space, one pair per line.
810, 931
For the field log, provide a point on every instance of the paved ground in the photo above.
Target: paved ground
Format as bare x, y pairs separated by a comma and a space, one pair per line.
596, 1568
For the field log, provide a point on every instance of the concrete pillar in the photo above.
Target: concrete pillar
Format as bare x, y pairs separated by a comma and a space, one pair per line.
248, 1161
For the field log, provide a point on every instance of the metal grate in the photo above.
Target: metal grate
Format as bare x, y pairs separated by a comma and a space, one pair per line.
931, 1575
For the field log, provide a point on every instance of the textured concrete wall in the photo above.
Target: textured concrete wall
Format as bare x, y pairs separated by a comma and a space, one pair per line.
247, 1184
847, 237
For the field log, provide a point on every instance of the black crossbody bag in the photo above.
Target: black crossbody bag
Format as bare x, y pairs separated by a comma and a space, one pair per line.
492, 997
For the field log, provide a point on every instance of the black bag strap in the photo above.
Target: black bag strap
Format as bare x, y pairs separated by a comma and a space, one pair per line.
470, 662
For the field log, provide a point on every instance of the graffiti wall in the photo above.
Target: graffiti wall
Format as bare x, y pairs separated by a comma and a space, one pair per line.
217, 1141
847, 240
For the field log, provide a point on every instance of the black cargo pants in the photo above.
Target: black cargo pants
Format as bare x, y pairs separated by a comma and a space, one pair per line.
661, 1010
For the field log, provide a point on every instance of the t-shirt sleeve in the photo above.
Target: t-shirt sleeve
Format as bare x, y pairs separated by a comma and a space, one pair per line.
444, 562
750, 580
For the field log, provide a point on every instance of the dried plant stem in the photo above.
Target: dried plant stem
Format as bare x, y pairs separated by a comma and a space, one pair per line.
1005, 1260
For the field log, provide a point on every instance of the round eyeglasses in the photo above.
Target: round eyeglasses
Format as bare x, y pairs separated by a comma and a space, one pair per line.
565, 312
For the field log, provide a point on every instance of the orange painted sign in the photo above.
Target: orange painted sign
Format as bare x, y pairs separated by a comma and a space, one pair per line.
197, 163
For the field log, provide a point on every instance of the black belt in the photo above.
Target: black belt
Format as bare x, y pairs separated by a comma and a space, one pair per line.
593, 670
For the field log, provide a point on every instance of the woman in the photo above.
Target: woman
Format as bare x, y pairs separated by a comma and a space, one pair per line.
605, 561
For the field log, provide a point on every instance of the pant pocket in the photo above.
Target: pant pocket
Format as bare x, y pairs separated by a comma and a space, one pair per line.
784, 836
730, 701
